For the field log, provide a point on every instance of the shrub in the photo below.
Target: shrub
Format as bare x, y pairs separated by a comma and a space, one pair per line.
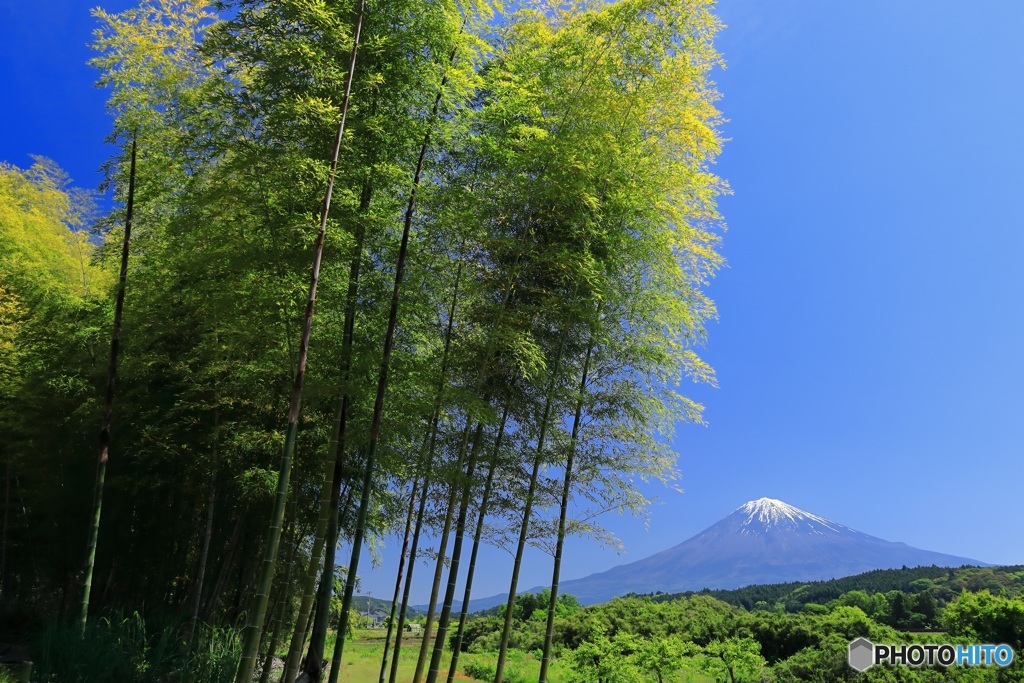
485, 671
479, 670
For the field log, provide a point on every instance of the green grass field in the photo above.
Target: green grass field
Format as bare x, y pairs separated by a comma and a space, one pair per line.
361, 662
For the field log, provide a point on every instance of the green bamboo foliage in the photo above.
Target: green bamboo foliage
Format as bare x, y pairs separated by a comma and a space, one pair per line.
385, 363
145, 98
254, 626
542, 210
314, 656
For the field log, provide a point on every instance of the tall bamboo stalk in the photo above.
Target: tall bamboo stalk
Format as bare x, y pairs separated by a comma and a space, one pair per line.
3, 534
562, 514
228, 555
283, 595
302, 619
312, 665
108, 404
351, 575
481, 515
433, 434
204, 553
398, 579
382, 385
314, 657
527, 512
449, 593
427, 462
253, 631
420, 513
453, 569
277, 618
435, 587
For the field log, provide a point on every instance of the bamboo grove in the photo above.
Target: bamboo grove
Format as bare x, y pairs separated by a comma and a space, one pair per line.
396, 269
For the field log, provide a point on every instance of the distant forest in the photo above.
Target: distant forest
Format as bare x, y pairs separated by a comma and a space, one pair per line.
944, 585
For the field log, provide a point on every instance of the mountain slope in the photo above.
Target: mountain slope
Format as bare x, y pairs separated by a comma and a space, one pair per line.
942, 582
762, 541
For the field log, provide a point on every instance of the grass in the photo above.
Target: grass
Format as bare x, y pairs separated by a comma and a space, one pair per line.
361, 659
361, 662
128, 650
7, 676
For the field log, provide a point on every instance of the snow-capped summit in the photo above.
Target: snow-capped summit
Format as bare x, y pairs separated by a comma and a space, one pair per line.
764, 514
762, 541
770, 511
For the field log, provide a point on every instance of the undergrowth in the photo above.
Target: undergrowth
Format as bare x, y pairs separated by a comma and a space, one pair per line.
124, 650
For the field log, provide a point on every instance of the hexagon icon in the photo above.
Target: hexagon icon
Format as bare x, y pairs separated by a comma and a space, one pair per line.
862, 654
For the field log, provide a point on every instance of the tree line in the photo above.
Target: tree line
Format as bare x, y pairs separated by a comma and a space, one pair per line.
944, 584
375, 268
643, 639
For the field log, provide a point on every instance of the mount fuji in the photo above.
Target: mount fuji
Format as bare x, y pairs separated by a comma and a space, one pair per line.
762, 541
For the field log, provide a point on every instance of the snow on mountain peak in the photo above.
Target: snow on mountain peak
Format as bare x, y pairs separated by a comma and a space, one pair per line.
771, 512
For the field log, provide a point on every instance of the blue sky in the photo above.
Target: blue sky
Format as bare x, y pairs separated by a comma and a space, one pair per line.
869, 347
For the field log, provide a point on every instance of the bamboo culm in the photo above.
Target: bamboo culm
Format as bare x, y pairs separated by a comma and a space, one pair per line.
527, 511
481, 515
204, 553
302, 620
253, 632
453, 569
435, 588
382, 385
280, 604
420, 513
398, 580
108, 403
562, 515
314, 657
426, 462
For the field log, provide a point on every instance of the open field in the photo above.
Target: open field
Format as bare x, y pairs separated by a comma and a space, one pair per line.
361, 662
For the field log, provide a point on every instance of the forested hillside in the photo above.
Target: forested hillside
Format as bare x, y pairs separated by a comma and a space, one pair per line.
373, 268
943, 583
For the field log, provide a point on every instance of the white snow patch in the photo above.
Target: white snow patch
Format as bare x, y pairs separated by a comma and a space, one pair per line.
771, 512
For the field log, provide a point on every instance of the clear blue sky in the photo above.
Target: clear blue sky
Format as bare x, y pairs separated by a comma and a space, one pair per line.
870, 348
